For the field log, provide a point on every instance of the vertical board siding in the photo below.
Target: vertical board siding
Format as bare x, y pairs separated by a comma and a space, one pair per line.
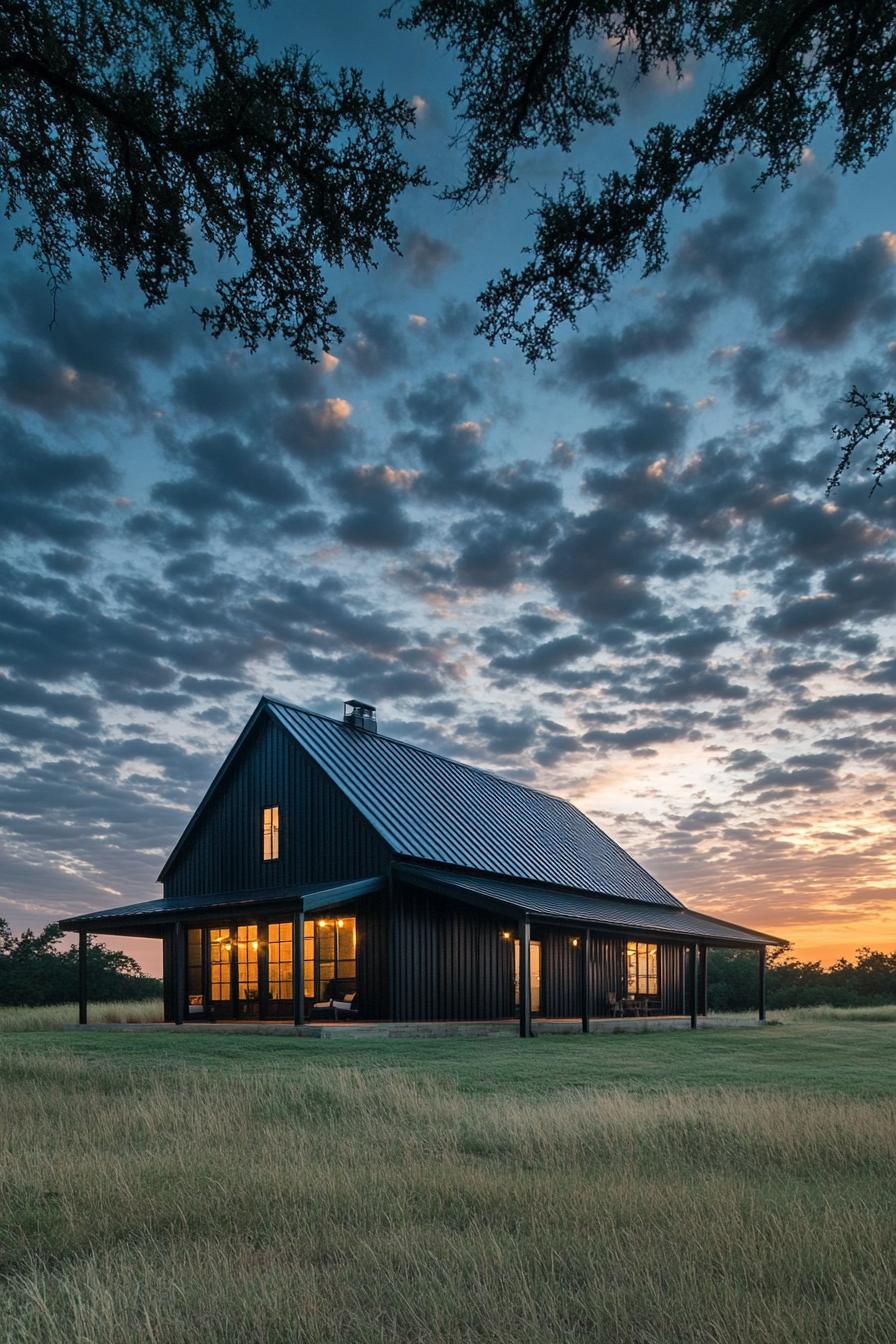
451, 963
373, 958
672, 977
322, 835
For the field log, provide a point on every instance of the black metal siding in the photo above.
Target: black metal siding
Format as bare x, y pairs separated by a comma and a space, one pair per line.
449, 960
322, 835
373, 958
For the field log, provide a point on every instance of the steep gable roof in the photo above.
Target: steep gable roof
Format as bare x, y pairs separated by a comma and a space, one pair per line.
432, 808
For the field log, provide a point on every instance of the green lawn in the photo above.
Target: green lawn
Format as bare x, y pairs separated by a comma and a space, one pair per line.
716, 1187
846, 1058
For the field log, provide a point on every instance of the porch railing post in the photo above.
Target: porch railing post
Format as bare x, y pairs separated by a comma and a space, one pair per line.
180, 987
525, 933
298, 964
762, 984
82, 978
693, 969
585, 978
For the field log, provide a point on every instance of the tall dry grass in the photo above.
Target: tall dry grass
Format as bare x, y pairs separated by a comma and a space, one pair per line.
336, 1206
57, 1015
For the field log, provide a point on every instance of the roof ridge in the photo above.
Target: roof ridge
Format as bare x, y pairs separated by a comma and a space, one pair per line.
438, 756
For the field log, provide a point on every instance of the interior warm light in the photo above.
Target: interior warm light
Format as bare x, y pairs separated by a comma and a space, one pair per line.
339, 923
228, 946
254, 944
321, 923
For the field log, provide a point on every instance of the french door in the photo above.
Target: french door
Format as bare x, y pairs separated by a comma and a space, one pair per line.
245, 970
234, 982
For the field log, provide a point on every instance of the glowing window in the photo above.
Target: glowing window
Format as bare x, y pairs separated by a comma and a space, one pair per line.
270, 830
534, 974
220, 947
280, 961
640, 965
330, 955
247, 962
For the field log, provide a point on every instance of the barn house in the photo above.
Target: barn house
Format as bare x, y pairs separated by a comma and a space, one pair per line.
332, 873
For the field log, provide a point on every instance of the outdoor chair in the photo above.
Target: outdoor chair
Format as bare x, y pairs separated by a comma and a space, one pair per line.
347, 1006
338, 999
616, 1009
325, 1004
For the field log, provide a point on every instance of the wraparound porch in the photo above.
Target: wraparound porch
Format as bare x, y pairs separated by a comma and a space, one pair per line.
462, 954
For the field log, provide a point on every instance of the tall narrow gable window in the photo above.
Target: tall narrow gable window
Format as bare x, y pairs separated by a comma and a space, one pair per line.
270, 833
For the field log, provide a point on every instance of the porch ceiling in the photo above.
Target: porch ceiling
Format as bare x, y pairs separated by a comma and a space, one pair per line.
148, 917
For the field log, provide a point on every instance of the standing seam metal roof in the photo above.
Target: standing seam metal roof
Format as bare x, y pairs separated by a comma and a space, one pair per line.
440, 810
608, 912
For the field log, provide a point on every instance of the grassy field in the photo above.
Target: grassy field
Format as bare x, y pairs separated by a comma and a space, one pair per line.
683, 1188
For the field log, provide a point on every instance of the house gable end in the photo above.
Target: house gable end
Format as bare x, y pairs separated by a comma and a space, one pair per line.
322, 835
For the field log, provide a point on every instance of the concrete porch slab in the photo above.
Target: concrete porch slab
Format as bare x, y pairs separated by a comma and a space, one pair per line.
427, 1030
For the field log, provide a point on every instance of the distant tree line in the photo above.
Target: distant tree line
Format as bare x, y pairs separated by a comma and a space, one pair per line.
869, 979
35, 970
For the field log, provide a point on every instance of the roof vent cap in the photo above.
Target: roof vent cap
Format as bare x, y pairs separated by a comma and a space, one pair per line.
358, 715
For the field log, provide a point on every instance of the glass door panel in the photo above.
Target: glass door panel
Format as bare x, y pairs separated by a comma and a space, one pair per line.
195, 977
279, 948
247, 969
308, 959
534, 974
220, 956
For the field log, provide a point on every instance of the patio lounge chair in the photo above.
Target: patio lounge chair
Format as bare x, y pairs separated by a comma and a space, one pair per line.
338, 999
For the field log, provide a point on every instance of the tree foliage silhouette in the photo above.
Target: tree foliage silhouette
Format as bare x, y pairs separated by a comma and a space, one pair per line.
132, 129
541, 72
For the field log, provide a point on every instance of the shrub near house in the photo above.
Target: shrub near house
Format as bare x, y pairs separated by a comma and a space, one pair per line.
35, 970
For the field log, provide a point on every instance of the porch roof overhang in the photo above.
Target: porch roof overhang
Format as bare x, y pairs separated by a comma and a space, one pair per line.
148, 918
606, 914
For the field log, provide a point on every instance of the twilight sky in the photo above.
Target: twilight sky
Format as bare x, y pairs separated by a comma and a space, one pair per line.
617, 578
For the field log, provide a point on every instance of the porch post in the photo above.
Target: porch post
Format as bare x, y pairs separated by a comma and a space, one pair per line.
693, 969
585, 974
394, 998
762, 983
82, 978
298, 964
180, 988
703, 994
525, 933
